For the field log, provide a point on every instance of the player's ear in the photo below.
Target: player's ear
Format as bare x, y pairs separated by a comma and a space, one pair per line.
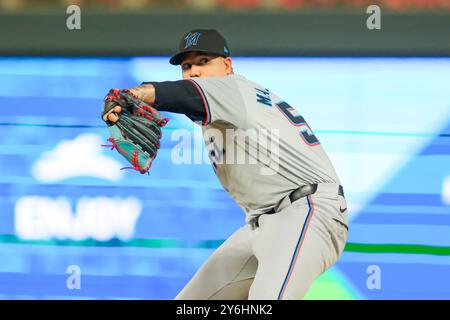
228, 65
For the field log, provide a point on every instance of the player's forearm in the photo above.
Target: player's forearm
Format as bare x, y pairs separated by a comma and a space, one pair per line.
174, 96
145, 92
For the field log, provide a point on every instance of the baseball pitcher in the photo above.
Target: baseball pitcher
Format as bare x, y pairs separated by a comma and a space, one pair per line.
267, 158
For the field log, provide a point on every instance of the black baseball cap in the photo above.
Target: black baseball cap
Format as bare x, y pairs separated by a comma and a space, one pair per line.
201, 40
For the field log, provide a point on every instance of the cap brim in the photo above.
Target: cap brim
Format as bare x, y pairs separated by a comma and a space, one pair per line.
178, 58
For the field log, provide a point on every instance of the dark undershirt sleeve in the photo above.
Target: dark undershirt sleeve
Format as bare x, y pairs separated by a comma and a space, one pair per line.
180, 97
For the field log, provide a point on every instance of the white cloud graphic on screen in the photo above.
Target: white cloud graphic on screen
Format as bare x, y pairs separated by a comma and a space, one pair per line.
80, 157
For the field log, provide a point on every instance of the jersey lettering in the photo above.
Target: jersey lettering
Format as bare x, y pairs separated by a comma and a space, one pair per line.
297, 120
263, 96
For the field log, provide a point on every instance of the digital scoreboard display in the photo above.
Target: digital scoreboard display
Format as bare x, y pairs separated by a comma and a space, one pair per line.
67, 208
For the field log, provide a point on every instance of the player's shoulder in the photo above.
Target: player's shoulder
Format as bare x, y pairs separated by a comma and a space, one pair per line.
230, 83
244, 84
247, 82
232, 78
240, 79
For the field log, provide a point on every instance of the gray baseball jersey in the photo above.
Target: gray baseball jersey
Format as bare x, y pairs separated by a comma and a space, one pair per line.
268, 151
262, 150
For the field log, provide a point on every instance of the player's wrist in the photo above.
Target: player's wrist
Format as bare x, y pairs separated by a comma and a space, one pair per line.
145, 92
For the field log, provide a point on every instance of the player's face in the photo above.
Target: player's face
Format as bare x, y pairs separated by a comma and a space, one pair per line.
196, 65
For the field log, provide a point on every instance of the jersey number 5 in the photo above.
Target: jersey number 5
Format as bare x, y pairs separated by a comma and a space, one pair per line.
297, 120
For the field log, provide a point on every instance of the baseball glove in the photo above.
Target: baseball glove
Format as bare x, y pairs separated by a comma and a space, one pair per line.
137, 132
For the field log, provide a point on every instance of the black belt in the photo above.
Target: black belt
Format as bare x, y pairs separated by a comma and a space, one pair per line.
304, 191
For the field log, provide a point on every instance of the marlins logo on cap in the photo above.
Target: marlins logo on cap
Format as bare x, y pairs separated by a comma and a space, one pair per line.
206, 41
192, 39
